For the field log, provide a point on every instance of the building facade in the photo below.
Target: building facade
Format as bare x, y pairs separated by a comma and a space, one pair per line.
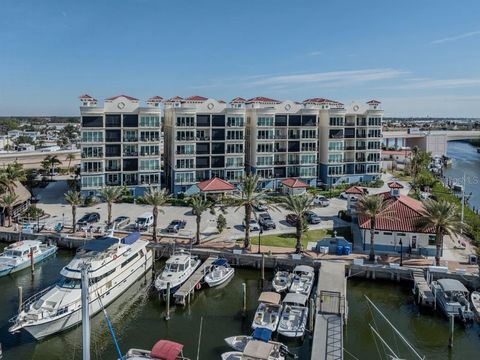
120, 144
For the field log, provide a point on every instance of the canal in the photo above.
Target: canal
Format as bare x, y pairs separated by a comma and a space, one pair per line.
138, 319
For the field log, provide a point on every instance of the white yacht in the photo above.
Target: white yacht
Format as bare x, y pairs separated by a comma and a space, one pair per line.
268, 311
282, 281
219, 273
302, 281
452, 297
257, 350
114, 265
293, 320
177, 270
17, 256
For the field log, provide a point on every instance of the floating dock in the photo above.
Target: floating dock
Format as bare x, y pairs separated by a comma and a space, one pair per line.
422, 292
188, 287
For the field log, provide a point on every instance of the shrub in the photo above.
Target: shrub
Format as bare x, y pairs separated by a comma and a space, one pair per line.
221, 223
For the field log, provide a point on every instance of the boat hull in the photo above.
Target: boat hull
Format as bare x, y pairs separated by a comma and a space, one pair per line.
212, 282
40, 257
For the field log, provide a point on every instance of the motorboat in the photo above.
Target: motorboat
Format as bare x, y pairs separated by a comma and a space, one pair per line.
177, 270
113, 263
267, 314
162, 350
452, 297
282, 281
220, 273
238, 343
257, 350
475, 297
293, 320
302, 281
18, 255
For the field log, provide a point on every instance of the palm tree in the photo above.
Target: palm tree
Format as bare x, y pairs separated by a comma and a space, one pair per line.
198, 205
155, 198
7, 201
249, 200
420, 159
12, 173
442, 218
111, 194
298, 205
371, 207
70, 157
50, 162
74, 199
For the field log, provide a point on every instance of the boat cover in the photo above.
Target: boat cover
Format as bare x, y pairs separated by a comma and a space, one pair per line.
294, 298
270, 297
166, 350
131, 238
220, 262
262, 334
452, 285
99, 244
258, 350
303, 268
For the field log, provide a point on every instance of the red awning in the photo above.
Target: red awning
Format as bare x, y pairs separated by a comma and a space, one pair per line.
166, 350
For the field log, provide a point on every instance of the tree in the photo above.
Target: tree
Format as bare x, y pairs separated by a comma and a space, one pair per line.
155, 198
198, 205
49, 164
12, 173
221, 223
110, 194
74, 199
7, 201
371, 207
442, 218
420, 159
298, 205
70, 157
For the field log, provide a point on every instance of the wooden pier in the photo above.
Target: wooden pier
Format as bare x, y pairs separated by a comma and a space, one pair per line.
422, 292
186, 291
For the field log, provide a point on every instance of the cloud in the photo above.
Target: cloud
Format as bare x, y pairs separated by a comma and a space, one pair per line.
315, 53
421, 84
457, 37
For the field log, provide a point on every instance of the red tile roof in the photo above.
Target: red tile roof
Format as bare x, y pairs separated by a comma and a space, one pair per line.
294, 183
215, 184
373, 102
155, 98
86, 97
222, 101
174, 99
238, 100
261, 99
196, 98
356, 190
125, 96
401, 214
321, 101
395, 185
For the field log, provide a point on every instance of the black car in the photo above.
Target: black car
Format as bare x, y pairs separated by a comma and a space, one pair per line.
176, 225
89, 218
266, 222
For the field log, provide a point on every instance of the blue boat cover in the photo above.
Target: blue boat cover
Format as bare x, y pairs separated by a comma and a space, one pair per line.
262, 334
100, 244
220, 262
131, 238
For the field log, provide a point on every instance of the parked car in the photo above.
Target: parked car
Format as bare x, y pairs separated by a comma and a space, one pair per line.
343, 196
88, 219
261, 206
253, 225
265, 221
144, 221
292, 219
176, 225
121, 221
312, 218
320, 200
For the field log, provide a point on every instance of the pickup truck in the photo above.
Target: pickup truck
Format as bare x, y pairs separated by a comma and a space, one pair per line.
266, 222
176, 225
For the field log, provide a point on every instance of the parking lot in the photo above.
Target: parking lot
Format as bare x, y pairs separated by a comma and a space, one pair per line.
52, 202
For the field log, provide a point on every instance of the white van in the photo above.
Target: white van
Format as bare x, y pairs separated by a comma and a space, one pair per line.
144, 221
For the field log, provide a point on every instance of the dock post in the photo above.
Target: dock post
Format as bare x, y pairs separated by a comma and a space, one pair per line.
311, 314
451, 325
20, 299
263, 268
244, 289
167, 316
32, 261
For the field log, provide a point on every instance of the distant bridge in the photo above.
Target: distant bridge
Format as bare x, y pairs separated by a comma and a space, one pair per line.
451, 134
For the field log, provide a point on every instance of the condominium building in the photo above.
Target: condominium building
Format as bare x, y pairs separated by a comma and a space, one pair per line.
120, 143
204, 139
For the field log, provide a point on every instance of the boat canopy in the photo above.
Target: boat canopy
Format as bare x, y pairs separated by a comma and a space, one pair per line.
131, 238
262, 334
166, 350
270, 297
100, 244
303, 268
220, 262
452, 285
258, 350
295, 298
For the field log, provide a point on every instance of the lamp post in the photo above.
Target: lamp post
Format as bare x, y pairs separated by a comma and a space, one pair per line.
401, 252
259, 239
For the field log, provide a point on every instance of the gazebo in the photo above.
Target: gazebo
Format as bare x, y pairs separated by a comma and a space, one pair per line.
215, 186
293, 186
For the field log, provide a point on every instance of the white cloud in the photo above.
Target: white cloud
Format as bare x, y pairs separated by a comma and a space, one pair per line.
315, 53
457, 37
420, 84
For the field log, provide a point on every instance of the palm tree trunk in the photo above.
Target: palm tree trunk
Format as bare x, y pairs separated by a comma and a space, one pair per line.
69, 163
9, 214
298, 246
109, 213
199, 219
439, 246
248, 215
371, 257
155, 216
74, 217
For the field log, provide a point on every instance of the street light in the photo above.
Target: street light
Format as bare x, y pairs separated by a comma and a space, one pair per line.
259, 239
401, 252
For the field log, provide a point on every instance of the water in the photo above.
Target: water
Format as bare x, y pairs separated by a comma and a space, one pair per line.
465, 159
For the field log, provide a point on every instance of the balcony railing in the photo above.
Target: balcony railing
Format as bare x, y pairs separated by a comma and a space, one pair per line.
130, 153
149, 154
130, 139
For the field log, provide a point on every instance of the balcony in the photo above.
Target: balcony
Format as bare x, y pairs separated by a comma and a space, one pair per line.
93, 156
361, 135
130, 139
280, 162
185, 138
112, 168
336, 136
130, 153
349, 147
145, 139
149, 154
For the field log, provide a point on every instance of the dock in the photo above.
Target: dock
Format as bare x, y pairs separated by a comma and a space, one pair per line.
422, 292
186, 291
331, 312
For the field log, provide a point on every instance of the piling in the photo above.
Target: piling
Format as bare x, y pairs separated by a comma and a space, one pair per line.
311, 315
263, 268
450, 336
20, 299
167, 316
244, 289
32, 261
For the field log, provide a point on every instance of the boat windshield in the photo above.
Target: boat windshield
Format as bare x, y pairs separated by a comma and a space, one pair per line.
69, 283
13, 253
174, 267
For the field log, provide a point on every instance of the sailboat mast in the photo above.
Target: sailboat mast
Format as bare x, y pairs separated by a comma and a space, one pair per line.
85, 313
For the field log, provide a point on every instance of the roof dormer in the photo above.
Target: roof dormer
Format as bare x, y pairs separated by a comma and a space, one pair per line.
395, 188
154, 101
373, 104
87, 100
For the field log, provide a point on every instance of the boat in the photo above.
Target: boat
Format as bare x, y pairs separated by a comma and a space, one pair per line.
114, 265
282, 281
267, 314
162, 350
475, 297
177, 270
238, 343
293, 320
478, 150
17, 256
257, 350
302, 281
452, 297
220, 273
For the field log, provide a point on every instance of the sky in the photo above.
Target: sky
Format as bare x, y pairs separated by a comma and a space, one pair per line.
419, 57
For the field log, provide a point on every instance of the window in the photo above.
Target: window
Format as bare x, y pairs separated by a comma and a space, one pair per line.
130, 135
185, 164
92, 167
374, 133
335, 170
264, 160
310, 146
112, 179
149, 164
185, 121
335, 158
432, 240
149, 179
264, 121
309, 134
265, 173
262, 148
309, 120
375, 121
336, 121
335, 145
308, 171
146, 150
112, 165
336, 134
147, 136
92, 121
218, 120
218, 161
203, 162
113, 136
234, 134
218, 134
130, 120
308, 159
234, 162
234, 148
373, 145
203, 148
387, 233
186, 149
92, 136
92, 181
113, 120
235, 121
294, 120
149, 121
130, 150
92, 152
233, 174
112, 150
203, 120
280, 120
184, 178
218, 148
185, 135
130, 164
265, 134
